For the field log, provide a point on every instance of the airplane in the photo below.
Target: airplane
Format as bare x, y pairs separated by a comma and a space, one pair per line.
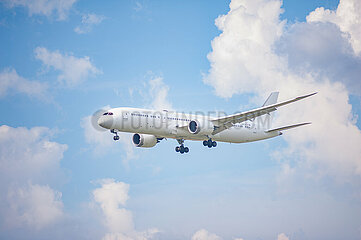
152, 126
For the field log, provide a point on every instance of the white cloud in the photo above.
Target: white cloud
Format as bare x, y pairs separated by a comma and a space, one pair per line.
28, 154
73, 70
112, 197
347, 17
248, 31
44, 7
87, 22
153, 91
204, 235
34, 205
11, 81
321, 49
282, 236
158, 92
29, 161
245, 60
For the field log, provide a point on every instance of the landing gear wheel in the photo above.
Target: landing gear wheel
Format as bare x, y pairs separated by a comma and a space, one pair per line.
205, 143
181, 149
116, 138
209, 143
214, 144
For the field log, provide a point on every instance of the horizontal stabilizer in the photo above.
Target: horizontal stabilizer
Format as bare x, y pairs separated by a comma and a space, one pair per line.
287, 127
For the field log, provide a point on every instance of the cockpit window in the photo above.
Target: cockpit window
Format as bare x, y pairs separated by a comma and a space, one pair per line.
108, 113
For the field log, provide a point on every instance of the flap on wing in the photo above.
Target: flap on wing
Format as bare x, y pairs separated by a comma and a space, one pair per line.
287, 127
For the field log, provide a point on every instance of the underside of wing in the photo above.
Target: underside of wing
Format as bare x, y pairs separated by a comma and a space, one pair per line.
228, 121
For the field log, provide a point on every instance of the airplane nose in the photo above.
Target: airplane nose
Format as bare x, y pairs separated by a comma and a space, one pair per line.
105, 121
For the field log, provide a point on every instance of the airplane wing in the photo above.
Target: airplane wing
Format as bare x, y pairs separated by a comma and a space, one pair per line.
226, 122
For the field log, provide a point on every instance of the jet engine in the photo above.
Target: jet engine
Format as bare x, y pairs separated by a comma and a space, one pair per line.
204, 128
144, 140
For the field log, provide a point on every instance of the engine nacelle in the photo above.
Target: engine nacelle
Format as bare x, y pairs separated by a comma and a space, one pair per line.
144, 140
204, 128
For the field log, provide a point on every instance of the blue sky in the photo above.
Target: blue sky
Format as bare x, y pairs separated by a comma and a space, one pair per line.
64, 60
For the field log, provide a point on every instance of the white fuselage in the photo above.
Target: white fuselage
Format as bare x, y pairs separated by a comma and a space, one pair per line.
164, 124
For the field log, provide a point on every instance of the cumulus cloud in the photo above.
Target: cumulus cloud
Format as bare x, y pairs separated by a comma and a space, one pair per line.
44, 7
347, 17
11, 81
34, 205
248, 32
28, 162
321, 49
245, 59
87, 22
154, 92
158, 92
112, 197
282, 236
73, 70
204, 235
28, 154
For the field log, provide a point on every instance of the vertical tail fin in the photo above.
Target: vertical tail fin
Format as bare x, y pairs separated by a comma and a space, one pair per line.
265, 121
272, 99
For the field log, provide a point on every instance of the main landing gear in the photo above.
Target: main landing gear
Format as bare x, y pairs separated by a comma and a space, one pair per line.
116, 137
209, 143
181, 149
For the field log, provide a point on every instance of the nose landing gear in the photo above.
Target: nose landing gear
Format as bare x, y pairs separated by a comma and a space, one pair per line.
116, 137
209, 143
